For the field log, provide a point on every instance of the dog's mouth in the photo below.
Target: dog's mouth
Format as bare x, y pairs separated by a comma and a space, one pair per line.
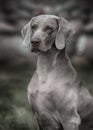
35, 50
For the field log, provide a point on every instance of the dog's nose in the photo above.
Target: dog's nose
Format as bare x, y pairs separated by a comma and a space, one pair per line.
35, 41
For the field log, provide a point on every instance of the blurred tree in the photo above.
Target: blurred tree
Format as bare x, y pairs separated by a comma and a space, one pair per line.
9, 9
86, 8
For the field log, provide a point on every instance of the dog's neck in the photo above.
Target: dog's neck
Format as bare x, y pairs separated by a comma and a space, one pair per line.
52, 60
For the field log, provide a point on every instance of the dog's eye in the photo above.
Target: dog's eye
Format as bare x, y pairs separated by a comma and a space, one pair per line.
34, 27
48, 28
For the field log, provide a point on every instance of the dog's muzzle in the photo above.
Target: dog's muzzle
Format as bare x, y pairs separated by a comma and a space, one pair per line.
35, 44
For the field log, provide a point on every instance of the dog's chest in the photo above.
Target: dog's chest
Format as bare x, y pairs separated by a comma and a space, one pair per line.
47, 96
50, 100
42, 98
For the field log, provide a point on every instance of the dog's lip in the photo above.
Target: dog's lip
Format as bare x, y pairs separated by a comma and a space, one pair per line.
36, 44
34, 49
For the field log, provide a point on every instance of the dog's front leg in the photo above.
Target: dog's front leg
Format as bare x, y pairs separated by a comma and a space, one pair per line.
71, 126
71, 120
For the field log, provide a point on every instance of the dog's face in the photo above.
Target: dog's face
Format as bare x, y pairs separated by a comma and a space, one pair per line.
45, 30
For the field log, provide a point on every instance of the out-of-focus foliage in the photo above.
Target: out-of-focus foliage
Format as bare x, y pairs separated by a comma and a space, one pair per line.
14, 111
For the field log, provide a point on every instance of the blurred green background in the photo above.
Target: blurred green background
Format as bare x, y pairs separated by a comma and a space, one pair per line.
17, 64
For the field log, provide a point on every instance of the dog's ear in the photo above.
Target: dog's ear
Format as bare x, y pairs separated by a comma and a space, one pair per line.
26, 34
64, 33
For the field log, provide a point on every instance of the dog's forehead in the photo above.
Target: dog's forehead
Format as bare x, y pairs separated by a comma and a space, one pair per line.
45, 19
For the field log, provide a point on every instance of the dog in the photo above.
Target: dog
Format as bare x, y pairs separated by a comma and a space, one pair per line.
59, 99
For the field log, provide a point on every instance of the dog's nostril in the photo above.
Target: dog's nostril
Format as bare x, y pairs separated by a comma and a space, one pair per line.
35, 41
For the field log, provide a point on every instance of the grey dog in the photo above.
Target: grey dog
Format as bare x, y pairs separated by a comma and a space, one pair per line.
58, 98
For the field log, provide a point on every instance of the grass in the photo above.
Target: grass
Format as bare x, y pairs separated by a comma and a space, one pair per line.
15, 113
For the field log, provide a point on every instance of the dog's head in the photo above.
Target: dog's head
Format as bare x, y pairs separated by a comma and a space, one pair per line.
45, 30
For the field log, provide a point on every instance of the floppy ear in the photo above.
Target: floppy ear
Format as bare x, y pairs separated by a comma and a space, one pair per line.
26, 34
64, 33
